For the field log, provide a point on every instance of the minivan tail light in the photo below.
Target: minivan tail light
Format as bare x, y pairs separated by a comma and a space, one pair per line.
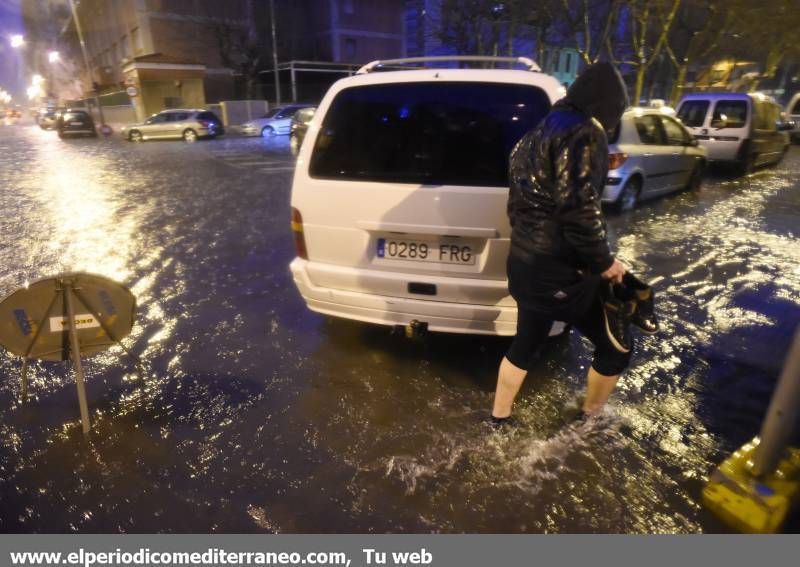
299, 237
616, 160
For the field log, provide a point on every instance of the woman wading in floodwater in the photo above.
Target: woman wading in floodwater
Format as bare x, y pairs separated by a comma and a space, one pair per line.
560, 265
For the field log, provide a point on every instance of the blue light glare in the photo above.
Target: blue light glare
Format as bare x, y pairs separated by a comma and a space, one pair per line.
404, 112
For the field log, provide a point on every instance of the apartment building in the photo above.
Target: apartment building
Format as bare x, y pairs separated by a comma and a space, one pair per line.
165, 53
339, 31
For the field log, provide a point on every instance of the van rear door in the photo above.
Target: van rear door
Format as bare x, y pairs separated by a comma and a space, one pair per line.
412, 178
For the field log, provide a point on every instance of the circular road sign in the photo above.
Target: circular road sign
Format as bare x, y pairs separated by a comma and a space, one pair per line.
34, 321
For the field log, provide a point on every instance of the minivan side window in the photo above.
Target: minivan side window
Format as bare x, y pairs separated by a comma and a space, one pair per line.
693, 113
439, 133
734, 111
796, 107
650, 131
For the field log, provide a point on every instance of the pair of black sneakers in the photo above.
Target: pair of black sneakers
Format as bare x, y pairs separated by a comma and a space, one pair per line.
630, 303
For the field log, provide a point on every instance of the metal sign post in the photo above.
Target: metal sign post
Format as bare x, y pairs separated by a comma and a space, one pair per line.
66, 318
75, 351
782, 415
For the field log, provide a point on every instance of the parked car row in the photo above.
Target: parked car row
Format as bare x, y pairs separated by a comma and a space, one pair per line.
67, 122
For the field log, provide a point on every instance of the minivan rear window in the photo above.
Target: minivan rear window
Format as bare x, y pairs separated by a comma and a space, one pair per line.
693, 113
734, 111
428, 133
74, 115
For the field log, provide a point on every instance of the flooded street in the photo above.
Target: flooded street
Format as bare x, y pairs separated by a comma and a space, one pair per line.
257, 415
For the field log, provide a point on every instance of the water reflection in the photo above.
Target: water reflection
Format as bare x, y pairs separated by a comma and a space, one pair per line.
257, 415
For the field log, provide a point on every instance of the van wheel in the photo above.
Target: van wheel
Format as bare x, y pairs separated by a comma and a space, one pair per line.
267, 132
629, 195
189, 135
696, 177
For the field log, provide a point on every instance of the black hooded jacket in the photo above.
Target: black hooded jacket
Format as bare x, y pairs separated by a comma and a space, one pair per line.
557, 172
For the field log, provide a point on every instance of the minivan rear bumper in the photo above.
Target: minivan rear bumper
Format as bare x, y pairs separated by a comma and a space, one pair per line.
386, 310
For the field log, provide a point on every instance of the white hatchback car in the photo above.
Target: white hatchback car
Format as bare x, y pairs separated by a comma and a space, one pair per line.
400, 192
650, 154
277, 121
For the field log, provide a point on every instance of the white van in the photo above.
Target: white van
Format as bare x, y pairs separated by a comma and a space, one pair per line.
400, 192
742, 129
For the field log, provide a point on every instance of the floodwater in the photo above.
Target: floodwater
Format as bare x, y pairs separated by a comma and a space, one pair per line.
257, 415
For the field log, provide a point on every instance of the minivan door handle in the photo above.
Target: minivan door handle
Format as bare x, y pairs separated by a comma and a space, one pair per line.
467, 231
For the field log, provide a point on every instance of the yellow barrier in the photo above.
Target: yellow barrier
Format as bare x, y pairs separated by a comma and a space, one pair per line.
749, 504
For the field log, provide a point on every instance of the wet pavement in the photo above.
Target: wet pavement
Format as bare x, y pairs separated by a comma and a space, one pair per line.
257, 415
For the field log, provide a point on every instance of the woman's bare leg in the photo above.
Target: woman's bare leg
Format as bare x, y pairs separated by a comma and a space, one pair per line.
598, 389
509, 381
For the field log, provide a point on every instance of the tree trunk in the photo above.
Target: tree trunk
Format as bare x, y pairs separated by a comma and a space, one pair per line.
641, 70
678, 85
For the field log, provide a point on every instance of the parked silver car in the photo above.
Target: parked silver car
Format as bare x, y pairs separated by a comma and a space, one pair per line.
650, 154
276, 121
187, 124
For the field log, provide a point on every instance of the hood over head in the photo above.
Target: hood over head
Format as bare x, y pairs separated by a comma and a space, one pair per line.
600, 92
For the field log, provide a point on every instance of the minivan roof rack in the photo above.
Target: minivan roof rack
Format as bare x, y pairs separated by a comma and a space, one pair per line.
530, 64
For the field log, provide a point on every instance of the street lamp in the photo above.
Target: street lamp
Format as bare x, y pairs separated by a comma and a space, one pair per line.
37, 80
54, 57
17, 41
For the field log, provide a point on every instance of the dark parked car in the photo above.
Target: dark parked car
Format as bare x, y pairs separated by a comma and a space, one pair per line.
75, 123
299, 126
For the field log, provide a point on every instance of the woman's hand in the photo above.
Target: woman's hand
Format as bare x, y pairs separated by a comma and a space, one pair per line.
615, 272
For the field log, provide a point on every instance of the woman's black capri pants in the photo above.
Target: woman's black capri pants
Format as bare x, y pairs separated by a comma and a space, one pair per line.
533, 329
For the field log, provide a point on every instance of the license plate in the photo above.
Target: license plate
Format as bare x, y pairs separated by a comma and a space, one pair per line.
420, 251
76, 123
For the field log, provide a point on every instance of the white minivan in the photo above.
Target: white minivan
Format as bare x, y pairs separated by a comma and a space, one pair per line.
742, 129
400, 192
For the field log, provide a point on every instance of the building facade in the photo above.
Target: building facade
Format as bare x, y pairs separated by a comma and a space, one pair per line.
339, 31
163, 53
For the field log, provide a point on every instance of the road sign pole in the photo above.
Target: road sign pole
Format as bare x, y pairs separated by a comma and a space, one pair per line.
75, 351
781, 416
